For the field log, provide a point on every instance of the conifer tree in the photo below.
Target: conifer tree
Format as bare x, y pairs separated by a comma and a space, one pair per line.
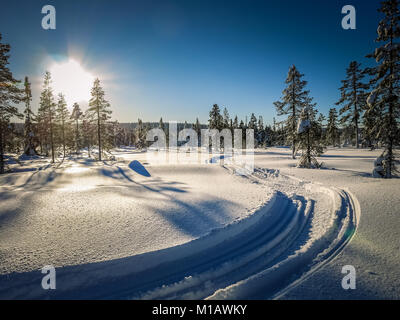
48, 108
76, 115
29, 148
226, 118
332, 130
307, 131
292, 104
10, 94
99, 107
384, 98
353, 98
62, 118
216, 120
235, 124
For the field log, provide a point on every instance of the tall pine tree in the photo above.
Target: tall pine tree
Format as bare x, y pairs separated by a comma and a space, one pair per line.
332, 130
99, 107
384, 98
10, 94
48, 107
293, 101
29, 148
62, 118
353, 98
308, 136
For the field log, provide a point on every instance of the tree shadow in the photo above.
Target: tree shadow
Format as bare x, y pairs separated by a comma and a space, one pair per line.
139, 168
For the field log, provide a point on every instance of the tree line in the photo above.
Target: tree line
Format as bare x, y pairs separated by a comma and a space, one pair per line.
368, 115
369, 102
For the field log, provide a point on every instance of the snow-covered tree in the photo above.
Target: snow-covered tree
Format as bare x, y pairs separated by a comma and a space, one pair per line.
353, 98
141, 134
332, 130
29, 147
216, 120
62, 118
10, 94
48, 107
309, 142
293, 101
99, 107
385, 82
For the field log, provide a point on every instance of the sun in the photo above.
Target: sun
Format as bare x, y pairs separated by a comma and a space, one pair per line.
71, 79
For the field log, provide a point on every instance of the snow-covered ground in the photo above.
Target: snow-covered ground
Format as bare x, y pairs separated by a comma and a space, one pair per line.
134, 229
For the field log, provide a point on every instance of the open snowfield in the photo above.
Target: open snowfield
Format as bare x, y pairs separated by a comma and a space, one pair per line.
134, 229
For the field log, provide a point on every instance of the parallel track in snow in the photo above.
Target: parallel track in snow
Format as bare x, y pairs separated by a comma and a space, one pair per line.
254, 258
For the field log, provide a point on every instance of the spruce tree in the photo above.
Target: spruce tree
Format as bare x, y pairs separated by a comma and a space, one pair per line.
293, 101
307, 131
99, 107
10, 94
62, 118
29, 148
385, 82
76, 115
332, 130
353, 98
48, 108
226, 118
216, 120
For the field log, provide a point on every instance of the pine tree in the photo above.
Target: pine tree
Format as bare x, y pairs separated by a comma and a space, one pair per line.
76, 115
235, 124
161, 124
353, 96
216, 120
384, 98
29, 148
141, 133
100, 109
62, 118
48, 106
260, 131
332, 130
307, 132
226, 118
197, 128
293, 101
10, 94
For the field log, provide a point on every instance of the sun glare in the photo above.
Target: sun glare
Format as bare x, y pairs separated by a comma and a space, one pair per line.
72, 80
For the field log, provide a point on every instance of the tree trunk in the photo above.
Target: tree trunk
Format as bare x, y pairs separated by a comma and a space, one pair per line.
1, 150
52, 141
63, 137
98, 132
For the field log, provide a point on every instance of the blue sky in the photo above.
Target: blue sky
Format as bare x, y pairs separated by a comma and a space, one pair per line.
175, 59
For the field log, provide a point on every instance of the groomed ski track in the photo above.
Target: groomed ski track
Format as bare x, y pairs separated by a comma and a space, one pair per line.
259, 257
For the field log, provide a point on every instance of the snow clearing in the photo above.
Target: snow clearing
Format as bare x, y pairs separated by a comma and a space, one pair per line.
151, 231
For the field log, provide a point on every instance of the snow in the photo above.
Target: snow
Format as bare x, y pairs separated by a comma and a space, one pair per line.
130, 228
